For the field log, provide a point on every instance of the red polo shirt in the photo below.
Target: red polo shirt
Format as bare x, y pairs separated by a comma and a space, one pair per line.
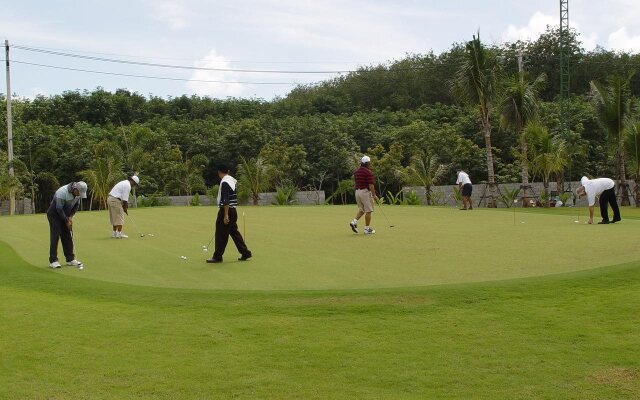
363, 177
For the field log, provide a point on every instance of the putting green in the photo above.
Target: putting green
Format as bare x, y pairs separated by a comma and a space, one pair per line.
311, 248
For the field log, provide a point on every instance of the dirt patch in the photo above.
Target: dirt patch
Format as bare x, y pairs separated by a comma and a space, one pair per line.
615, 376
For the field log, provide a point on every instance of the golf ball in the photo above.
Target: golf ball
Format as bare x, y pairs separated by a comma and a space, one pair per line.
183, 257
577, 222
81, 267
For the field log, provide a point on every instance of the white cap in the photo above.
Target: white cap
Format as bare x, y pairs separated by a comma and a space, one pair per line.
365, 159
135, 179
82, 188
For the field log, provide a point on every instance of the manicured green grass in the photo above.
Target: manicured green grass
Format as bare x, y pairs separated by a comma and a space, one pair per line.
313, 248
572, 335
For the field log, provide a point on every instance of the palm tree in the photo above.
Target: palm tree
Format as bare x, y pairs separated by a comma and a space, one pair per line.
476, 83
613, 105
9, 185
425, 170
549, 154
103, 173
256, 176
632, 142
519, 104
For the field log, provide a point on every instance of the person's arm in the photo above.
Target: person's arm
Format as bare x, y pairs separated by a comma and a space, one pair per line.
591, 214
60, 211
591, 199
125, 207
372, 186
225, 191
75, 208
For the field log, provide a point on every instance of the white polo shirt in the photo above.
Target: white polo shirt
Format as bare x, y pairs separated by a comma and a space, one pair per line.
595, 187
463, 178
121, 190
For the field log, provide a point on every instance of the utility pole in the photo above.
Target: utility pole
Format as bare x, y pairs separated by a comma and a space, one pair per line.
12, 199
565, 77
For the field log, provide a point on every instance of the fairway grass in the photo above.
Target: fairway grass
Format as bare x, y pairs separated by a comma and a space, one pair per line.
561, 333
312, 248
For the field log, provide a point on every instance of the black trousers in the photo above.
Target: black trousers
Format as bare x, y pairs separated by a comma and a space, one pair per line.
223, 231
59, 231
608, 197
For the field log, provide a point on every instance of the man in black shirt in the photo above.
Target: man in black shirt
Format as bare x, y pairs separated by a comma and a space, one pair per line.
227, 221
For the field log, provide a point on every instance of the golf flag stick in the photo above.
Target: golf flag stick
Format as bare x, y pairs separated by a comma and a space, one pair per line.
244, 226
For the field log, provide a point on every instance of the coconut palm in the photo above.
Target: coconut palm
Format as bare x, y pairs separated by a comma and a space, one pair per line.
632, 143
549, 154
612, 104
476, 83
425, 170
518, 105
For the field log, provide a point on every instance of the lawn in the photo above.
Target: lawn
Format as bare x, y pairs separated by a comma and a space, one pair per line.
446, 304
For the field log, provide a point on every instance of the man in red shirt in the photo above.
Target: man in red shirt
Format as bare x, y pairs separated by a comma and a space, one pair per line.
365, 195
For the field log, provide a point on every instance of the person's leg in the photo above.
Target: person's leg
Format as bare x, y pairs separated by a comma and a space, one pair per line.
604, 200
222, 236
613, 202
359, 215
67, 243
367, 219
119, 228
54, 236
234, 232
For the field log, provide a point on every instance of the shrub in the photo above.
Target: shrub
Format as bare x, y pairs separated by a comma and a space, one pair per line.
394, 199
195, 200
285, 195
411, 199
154, 200
212, 193
508, 197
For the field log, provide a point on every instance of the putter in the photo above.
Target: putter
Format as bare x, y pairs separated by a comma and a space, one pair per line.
135, 226
386, 218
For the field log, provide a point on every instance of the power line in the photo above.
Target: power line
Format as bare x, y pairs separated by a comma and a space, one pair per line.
158, 77
183, 59
148, 64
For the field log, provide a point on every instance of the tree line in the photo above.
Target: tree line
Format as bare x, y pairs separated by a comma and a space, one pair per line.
418, 118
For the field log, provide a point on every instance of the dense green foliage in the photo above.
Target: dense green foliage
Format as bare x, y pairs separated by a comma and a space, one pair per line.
313, 135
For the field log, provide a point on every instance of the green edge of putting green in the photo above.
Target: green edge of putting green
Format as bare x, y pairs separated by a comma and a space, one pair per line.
312, 248
569, 336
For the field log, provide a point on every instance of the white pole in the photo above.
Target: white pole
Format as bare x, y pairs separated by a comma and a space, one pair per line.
12, 200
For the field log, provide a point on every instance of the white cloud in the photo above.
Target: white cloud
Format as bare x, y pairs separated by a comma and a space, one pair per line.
622, 40
536, 26
170, 12
218, 89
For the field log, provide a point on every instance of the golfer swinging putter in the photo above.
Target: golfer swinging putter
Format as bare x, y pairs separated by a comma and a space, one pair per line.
118, 202
603, 187
63, 207
365, 195
466, 189
227, 220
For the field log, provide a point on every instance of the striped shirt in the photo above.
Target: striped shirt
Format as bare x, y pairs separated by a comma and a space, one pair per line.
228, 196
363, 177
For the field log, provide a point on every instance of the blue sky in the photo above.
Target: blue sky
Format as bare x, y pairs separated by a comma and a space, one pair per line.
270, 34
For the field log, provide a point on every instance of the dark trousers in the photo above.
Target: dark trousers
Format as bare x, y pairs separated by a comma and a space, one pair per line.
59, 231
223, 231
608, 197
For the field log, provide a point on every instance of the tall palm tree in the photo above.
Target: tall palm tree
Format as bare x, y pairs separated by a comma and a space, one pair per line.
519, 103
632, 142
613, 104
425, 170
549, 154
476, 83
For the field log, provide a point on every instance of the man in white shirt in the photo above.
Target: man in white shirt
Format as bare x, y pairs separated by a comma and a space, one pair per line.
118, 202
603, 187
466, 189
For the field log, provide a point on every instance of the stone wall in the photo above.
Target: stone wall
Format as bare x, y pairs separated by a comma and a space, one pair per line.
23, 206
301, 198
446, 192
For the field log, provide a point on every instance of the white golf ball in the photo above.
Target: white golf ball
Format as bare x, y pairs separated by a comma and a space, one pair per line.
183, 257
577, 222
81, 267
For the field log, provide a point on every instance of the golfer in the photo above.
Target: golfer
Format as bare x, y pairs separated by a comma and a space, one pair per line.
227, 220
466, 189
365, 195
603, 187
118, 203
63, 207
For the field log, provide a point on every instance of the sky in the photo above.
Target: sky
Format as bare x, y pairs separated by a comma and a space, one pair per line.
267, 35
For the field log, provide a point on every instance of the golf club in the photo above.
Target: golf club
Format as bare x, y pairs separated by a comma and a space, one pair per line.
386, 218
81, 266
135, 226
205, 249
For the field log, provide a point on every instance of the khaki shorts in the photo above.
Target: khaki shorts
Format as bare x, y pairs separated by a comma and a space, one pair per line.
116, 212
364, 200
